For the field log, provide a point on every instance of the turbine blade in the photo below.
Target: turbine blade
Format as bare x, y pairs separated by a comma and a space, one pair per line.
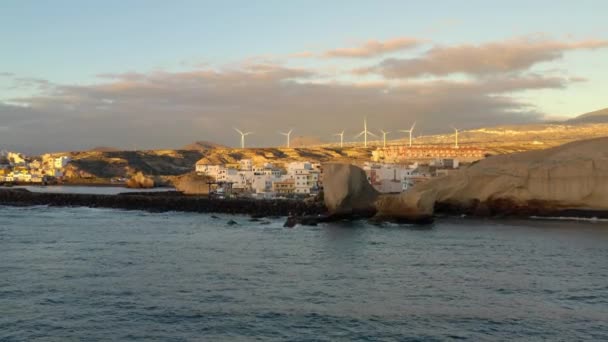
360, 134
372, 134
238, 130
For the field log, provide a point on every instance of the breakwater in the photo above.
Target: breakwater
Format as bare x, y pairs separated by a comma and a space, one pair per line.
161, 202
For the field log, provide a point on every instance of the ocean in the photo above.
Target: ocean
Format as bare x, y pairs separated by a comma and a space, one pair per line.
81, 274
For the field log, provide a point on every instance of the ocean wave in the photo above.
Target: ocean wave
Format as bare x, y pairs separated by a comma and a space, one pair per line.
569, 218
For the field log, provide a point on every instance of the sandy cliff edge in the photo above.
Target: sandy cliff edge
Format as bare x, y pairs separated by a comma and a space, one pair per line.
573, 176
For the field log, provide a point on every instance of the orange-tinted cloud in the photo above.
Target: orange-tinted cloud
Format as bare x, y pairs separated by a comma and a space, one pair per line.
484, 59
374, 48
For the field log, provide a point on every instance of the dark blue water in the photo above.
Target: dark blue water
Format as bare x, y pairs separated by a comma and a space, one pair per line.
106, 275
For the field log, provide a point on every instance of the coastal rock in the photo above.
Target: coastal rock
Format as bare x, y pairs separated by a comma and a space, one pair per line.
347, 191
573, 176
140, 181
417, 207
192, 184
571, 179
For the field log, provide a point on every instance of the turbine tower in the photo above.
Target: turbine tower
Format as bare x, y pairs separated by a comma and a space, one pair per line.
365, 133
384, 137
243, 135
341, 135
288, 134
410, 131
456, 130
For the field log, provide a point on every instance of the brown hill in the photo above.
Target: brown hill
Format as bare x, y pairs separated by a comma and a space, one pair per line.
305, 141
104, 149
201, 145
598, 116
495, 140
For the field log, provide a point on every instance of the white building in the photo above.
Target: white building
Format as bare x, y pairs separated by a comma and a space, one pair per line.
15, 158
389, 178
61, 162
208, 169
263, 183
245, 164
293, 166
446, 163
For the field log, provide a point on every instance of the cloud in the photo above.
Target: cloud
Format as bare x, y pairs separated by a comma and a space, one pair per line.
501, 57
170, 109
374, 48
302, 54
6, 74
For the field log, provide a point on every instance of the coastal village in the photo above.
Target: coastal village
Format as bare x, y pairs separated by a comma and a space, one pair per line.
17, 168
304, 178
391, 169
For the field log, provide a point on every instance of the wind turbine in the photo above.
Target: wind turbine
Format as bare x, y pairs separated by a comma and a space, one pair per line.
456, 130
384, 137
288, 134
365, 133
341, 135
243, 135
410, 131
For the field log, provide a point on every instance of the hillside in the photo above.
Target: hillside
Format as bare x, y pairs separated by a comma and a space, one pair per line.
495, 140
598, 116
201, 145
177, 162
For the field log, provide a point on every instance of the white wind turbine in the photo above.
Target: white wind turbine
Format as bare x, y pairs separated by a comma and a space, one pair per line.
243, 135
456, 130
384, 133
341, 135
365, 133
410, 131
288, 135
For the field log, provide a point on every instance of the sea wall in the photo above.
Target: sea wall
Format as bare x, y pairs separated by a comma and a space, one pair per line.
162, 202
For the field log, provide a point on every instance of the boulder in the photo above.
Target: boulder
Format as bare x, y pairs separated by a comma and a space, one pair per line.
192, 184
417, 207
140, 181
346, 191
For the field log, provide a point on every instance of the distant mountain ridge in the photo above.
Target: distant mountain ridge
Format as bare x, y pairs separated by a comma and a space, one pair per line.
201, 146
598, 116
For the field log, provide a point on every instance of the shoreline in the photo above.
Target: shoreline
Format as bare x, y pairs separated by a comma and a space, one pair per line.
162, 202
296, 212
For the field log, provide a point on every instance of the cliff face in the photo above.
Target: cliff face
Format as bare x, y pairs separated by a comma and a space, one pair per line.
346, 190
572, 177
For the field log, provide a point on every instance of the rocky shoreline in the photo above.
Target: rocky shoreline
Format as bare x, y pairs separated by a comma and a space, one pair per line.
163, 202
296, 212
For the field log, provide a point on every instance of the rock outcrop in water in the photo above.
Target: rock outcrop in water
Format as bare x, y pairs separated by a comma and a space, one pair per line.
567, 180
347, 192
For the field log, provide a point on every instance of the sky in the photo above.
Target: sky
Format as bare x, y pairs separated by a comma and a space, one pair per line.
161, 74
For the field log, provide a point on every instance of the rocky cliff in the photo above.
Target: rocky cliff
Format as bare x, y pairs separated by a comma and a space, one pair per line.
568, 178
346, 190
571, 176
